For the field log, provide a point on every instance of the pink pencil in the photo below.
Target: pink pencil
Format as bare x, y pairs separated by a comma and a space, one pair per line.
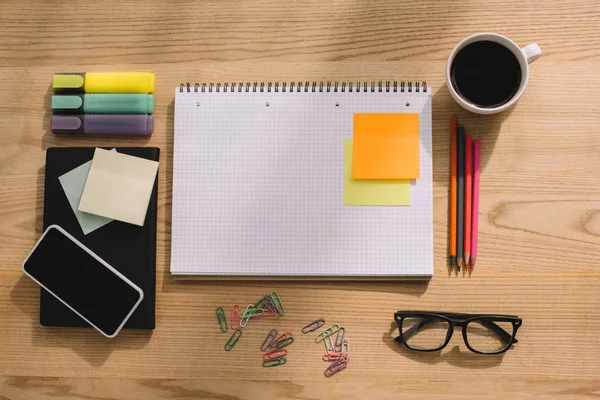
475, 202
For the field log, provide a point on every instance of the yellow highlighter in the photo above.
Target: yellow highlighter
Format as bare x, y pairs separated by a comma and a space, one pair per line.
103, 82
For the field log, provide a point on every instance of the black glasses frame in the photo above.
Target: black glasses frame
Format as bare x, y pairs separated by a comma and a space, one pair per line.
462, 320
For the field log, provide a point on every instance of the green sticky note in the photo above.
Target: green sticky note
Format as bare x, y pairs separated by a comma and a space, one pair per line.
372, 192
73, 183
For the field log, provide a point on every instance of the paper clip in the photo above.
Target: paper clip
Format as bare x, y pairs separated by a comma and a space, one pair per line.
327, 332
334, 356
273, 354
339, 338
268, 340
284, 335
245, 319
235, 336
252, 312
345, 346
313, 326
222, 319
337, 366
275, 362
278, 303
280, 344
235, 316
270, 306
266, 314
329, 345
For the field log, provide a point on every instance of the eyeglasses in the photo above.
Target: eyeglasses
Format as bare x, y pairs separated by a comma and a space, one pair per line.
482, 333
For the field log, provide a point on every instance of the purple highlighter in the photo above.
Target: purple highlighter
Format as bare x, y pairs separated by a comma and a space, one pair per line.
103, 124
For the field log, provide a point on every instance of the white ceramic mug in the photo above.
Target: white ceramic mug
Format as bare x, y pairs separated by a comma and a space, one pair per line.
524, 55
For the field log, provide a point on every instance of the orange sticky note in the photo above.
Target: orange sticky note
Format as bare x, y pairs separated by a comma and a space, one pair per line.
386, 146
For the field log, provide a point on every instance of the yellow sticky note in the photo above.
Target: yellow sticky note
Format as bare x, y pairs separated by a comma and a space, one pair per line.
386, 146
372, 192
119, 187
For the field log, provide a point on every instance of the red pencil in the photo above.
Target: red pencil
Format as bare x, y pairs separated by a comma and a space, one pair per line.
468, 189
475, 216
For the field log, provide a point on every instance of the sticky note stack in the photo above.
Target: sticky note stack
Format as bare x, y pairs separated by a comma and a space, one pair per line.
112, 186
381, 160
119, 103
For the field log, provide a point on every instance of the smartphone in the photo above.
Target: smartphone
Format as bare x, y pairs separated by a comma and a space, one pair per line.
82, 281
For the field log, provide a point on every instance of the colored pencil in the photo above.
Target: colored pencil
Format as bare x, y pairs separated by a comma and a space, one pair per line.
460, 195
475, 212
453, 193
468, 194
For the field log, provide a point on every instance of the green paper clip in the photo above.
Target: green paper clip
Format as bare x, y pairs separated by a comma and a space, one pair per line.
284, 343
327, 332
222, 319
274, 362
278, 303
235, 336
253, 312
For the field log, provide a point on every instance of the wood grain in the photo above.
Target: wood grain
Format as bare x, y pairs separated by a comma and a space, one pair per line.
540, 201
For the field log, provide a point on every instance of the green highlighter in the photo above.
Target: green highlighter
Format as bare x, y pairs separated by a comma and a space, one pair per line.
127, 103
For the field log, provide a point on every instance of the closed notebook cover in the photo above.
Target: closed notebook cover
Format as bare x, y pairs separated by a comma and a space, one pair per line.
128, 248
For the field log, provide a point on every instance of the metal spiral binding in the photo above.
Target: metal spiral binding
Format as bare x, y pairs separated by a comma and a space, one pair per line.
390, 86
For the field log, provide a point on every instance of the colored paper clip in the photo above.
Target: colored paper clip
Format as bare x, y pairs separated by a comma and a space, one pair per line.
327, 332
245, 319
345, 346
339, 338
222, 319
253, 312
313, 326
334, 356
278, 303
329, 345
270, 306
336, 366
273, 354
280, 344
235, 316
268, 340
284, 335
275, 362
235, 336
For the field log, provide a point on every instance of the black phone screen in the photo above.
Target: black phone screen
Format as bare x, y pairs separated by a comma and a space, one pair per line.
73, 275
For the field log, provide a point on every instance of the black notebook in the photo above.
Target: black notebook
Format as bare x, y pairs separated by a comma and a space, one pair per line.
128, 248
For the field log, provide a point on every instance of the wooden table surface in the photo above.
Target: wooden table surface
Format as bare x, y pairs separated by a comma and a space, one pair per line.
540, 200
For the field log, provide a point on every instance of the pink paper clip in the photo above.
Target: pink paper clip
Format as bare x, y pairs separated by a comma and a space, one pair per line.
235, 316
337, 366
334, 356
274, 354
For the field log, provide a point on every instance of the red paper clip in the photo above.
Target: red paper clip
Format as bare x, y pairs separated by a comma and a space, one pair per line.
235, 316
274, 354
284, 335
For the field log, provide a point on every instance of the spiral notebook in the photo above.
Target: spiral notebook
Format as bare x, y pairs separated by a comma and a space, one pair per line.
258, 184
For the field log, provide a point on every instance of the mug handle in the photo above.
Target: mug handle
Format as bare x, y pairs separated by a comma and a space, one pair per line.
531, 52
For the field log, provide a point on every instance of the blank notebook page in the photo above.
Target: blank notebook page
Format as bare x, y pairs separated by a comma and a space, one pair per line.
258, 188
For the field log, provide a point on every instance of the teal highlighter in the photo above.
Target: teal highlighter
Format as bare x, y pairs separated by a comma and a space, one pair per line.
101, 103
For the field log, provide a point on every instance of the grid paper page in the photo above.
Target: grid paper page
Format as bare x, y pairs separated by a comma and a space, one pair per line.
258, 188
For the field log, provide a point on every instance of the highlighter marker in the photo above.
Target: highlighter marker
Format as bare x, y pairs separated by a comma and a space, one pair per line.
103, 82
127, 103
103, 124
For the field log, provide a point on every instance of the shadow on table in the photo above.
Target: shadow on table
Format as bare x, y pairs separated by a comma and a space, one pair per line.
484, 127
455, 356
88, 343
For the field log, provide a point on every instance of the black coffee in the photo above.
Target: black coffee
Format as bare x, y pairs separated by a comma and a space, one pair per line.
486, 74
